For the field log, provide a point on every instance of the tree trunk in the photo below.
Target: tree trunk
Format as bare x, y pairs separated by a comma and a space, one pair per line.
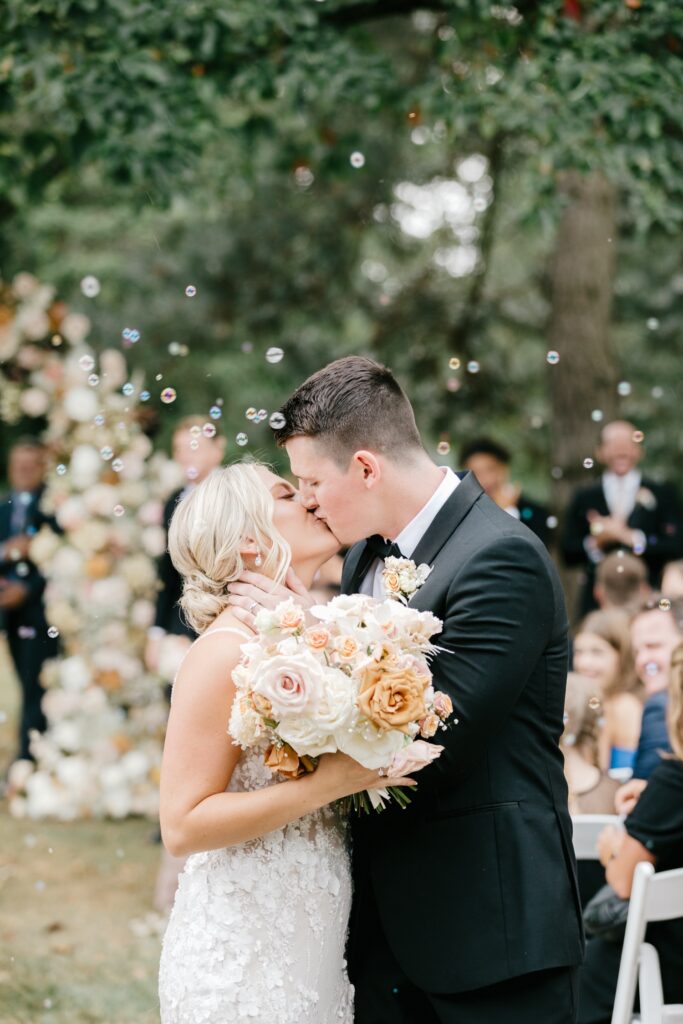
586, 377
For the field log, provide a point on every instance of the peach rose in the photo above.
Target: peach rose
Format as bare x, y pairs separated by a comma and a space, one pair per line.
346, 647
291, 619
414, 758
281, 758
429, 725
443, 705
317, 637
392, 582
262, 704
391, 696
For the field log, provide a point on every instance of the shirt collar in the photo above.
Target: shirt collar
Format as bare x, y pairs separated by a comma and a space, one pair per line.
630, 479
411, 535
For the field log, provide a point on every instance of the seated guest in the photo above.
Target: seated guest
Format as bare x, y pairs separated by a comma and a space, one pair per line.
656, 630
622, 510
672, 579
591, 790
490, 463
602, 653
621, 582
21, 585
652, 832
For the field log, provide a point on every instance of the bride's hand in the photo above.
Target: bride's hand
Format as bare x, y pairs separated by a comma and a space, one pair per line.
339, 775
253, 591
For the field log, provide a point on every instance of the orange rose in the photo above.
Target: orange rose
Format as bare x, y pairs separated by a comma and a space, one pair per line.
392, 696
317, 637
286, 761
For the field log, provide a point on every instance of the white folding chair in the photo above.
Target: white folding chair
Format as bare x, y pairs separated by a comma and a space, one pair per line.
587, 828
654, 897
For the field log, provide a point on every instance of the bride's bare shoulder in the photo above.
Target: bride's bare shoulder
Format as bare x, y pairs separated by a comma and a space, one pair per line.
210, 660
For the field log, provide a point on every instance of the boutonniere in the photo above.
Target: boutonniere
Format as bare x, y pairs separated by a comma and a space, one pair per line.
646, 498
402, 578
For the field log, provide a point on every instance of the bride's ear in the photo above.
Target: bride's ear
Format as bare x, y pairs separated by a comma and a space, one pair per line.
249, 548
367, 464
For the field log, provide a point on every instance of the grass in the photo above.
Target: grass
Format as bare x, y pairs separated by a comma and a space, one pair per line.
76, 945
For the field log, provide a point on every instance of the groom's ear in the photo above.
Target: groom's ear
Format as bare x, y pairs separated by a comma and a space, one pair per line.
368, 466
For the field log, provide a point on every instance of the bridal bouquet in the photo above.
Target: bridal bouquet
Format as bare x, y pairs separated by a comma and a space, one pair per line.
358, 681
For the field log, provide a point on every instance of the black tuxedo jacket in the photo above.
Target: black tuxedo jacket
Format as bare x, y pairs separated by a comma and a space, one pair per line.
475, 881
30, 612
534, 516
660, 519
170, 584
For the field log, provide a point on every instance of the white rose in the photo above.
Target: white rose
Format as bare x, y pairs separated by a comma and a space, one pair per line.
85, 466
368, 745
315, 735
246, 726
74, 673
292, 684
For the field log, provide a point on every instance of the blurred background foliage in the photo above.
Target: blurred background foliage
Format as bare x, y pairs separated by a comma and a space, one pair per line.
427, 183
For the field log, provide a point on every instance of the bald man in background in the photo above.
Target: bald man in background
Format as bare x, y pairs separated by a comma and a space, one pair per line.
624, 510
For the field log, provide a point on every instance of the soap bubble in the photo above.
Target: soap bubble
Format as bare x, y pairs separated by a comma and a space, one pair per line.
638, 436
90, 286
588, 463
241, 440
357, 159
552, 357
168, 395
145, 396
86, 363
119, 510
128, 389
652, 323
53, 632
195, 430
93, 380
209, 430
473, 366
665, 604
443, 447
595, 703
277, 421
190, 291
107, 453
251, 413
61, 469
624, 388
454, 363
117, 465
597, 415
274, 355
215, 412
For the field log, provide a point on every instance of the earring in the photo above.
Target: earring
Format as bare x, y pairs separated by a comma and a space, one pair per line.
258, 560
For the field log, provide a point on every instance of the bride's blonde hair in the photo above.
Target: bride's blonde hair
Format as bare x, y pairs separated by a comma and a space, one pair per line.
207, 530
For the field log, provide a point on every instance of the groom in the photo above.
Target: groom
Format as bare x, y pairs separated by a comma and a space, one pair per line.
466, 908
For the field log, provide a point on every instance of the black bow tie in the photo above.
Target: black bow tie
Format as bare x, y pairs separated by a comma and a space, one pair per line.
382, 548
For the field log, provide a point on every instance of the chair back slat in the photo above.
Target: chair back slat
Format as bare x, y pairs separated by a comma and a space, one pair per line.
587, 828
664, 898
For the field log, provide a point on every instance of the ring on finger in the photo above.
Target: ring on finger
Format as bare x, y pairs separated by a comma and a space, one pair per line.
383, 773
252, 606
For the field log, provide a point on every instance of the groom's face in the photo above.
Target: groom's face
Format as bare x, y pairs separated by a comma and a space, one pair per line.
337, 495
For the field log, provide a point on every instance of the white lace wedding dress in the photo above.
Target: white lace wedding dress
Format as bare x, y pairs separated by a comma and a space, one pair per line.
257, 931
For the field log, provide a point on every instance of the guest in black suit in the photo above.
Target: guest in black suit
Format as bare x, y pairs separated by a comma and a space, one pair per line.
624, 510
21, 585
653, 831
490, 463
197, 455
466, 906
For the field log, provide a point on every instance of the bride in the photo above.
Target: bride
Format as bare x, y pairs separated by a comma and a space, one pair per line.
258, 927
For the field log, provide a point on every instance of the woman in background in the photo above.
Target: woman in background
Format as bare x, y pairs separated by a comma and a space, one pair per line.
602, 653
591, 790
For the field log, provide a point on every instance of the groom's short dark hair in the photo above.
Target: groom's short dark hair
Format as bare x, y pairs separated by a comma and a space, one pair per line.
350, 404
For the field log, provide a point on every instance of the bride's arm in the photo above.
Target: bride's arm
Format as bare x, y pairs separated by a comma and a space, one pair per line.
199, 758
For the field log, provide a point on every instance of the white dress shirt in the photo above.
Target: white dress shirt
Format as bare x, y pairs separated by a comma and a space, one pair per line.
621, 492
411, 535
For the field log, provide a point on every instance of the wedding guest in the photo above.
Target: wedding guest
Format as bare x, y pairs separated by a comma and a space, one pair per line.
196, 455
656, 630
653, 832
21, 584
602, 653
621, 581
672, 579
591, 790
623, 510
490, 463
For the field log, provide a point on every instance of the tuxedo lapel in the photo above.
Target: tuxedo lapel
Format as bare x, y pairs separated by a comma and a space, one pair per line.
357, 563
448, 519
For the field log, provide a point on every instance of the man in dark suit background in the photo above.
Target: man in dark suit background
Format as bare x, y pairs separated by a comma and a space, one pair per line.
623, 510
21, 584
490, 463
197, 455
466, 907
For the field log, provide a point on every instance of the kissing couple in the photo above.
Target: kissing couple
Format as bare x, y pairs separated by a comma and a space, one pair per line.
461, 908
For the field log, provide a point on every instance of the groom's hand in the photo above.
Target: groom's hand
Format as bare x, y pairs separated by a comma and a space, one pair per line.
253, 591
